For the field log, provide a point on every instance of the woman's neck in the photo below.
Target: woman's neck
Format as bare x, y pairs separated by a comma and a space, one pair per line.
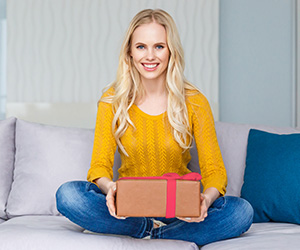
155, 87
155, 98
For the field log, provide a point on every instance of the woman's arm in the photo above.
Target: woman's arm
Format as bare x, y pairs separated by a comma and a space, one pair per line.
210, 159
104, 144
211, 194
104, 184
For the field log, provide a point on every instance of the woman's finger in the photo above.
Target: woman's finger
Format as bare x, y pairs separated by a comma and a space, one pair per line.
110, 202
109, 208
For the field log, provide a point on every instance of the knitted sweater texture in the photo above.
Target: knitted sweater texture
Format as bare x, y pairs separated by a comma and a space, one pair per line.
151, 147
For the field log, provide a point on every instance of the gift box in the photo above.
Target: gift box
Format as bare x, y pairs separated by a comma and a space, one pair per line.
167, 196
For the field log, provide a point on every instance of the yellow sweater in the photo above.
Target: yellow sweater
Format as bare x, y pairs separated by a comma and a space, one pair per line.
151, 148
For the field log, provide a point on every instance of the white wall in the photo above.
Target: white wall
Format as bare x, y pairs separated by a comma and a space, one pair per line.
61, 53
257, 62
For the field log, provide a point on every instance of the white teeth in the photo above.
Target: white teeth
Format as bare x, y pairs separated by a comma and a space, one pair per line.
150, 66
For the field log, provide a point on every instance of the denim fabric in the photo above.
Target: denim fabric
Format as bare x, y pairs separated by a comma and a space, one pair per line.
84, 204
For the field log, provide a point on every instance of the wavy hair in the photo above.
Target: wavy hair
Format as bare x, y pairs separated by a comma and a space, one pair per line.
128, 87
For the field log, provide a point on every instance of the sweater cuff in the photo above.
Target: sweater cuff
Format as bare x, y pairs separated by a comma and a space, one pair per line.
221, 188
94, 175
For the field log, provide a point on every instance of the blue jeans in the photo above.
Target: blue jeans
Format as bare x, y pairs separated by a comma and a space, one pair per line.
84, 204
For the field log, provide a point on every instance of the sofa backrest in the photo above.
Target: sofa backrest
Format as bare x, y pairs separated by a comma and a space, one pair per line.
7, 157
46, 157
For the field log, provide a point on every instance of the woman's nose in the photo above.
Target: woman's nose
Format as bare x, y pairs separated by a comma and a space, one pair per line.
150, 54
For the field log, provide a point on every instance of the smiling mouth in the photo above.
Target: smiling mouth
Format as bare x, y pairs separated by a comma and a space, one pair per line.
150, 66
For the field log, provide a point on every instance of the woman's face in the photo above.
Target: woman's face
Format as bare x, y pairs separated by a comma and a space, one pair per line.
150, 52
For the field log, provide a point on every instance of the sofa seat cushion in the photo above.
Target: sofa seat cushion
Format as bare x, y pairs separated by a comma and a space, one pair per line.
269, 235
7, 157
56, 232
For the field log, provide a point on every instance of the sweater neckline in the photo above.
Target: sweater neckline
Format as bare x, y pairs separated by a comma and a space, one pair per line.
148, 115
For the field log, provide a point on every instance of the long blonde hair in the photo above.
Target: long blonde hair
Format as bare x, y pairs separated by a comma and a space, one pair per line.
128, 87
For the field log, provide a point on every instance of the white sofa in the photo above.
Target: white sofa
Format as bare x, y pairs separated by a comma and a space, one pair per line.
36, 159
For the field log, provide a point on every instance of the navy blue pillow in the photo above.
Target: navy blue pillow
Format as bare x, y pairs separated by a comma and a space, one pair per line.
272, 176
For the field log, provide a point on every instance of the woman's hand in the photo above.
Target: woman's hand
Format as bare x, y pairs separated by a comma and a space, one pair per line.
207, 198
110, 198
109, 188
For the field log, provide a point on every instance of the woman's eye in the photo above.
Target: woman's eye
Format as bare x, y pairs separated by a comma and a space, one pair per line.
140, 47
159, 47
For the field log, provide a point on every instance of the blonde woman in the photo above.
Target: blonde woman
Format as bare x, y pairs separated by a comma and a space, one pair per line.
151, 113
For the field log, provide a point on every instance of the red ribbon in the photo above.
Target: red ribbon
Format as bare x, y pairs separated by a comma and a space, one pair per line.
171, 190
171, 187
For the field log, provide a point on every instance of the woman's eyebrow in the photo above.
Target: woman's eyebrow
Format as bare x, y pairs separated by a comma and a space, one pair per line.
158, 43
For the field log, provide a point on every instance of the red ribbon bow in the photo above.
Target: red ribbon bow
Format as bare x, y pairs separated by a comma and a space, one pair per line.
190, 176
168, 176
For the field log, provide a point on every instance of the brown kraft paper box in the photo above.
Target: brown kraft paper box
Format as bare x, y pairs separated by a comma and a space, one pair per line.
148, 197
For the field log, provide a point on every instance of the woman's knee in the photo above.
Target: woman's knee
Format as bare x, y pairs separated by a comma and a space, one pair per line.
247, 213
68, 195
243, 213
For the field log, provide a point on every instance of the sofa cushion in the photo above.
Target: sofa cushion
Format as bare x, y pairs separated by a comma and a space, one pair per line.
58, 233
272, 174
232, 139
7, 157
46, 157
267, 236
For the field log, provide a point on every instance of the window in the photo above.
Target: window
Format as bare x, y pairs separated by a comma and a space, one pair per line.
2, 58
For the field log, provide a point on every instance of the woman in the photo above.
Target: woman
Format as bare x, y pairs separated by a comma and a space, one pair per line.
152, 114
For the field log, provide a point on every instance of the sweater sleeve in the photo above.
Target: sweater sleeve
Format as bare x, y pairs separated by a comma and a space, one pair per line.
104, 144
210, 159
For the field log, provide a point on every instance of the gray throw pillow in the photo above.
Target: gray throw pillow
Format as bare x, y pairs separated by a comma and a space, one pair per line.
46, 157
7, 157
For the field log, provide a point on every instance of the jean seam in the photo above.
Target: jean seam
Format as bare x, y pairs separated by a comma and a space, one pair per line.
145, 230
218, 209
158, 232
